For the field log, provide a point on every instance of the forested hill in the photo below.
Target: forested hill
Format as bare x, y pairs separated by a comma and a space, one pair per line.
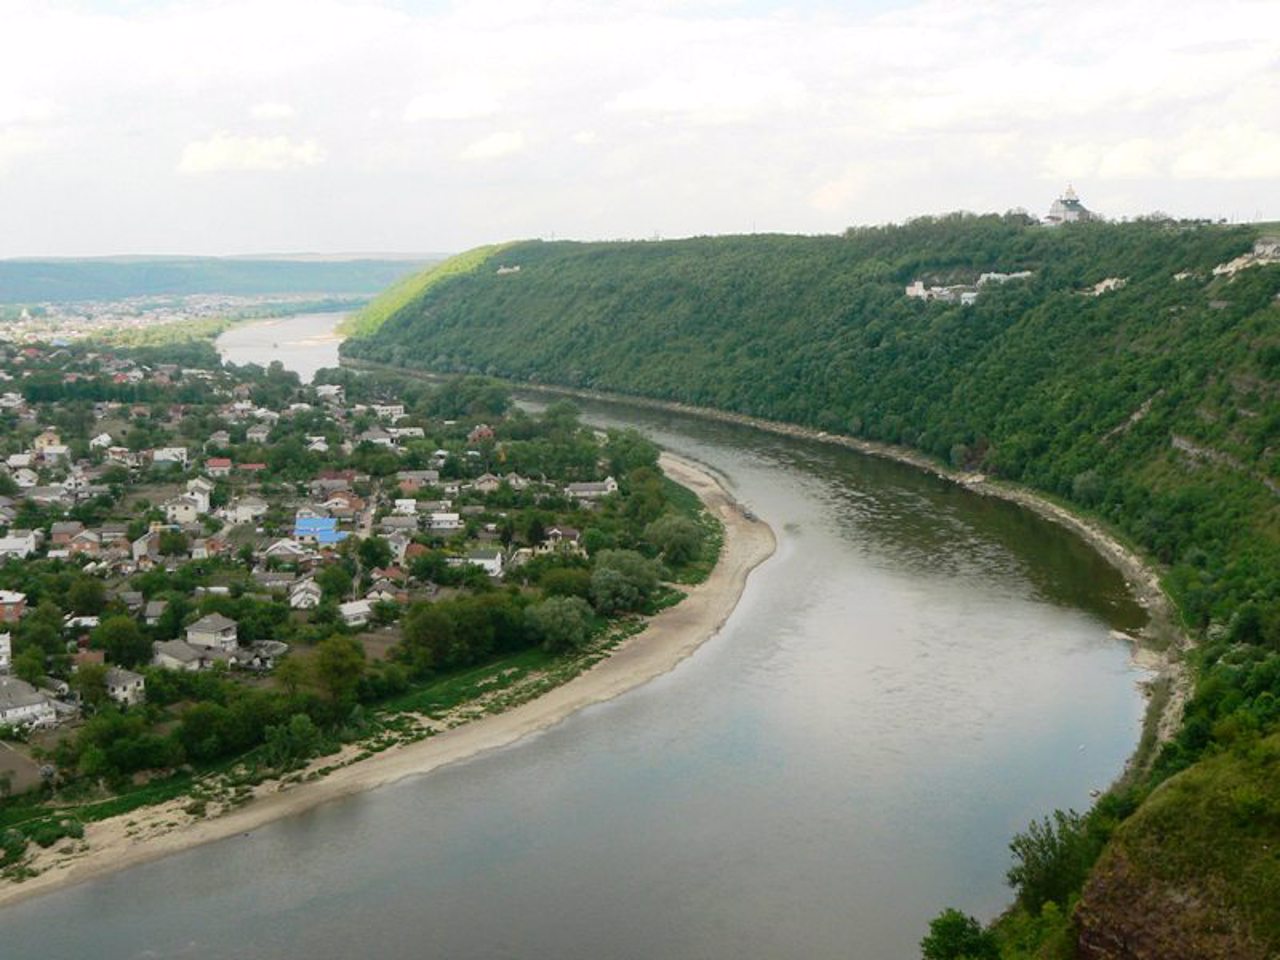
1154, 404
39, 281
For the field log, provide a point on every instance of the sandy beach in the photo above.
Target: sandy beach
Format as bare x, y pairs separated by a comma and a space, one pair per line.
668, 638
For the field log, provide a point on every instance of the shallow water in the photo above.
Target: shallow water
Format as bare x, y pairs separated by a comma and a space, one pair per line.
304, 343
917, 673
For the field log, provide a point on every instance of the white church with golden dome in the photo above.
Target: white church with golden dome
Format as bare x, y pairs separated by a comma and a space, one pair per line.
1068, 209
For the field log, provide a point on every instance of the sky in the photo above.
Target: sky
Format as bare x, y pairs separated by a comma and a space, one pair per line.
145, 126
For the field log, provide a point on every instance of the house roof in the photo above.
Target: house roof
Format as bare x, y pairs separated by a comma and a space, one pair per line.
212, 623
18, 693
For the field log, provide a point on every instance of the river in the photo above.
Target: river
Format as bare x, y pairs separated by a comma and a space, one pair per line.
304, 343
917, 673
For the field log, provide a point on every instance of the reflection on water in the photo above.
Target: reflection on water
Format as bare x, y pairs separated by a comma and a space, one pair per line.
917, 673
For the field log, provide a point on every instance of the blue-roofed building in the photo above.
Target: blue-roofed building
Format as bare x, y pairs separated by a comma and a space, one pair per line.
322, 531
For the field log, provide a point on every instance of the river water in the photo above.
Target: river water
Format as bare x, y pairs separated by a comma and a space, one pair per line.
304, 343
917, 673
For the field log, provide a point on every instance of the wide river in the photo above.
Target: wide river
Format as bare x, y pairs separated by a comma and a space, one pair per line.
917, 673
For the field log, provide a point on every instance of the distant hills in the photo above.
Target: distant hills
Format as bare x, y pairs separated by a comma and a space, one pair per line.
115, 278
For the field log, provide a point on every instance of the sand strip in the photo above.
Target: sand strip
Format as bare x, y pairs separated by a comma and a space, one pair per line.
671, 636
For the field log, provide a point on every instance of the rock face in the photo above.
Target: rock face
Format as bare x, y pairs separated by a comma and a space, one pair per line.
1127, 914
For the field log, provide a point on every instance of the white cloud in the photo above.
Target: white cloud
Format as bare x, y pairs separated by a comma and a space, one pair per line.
503, 143
225, 152
17, 142
1239, 151
272, 110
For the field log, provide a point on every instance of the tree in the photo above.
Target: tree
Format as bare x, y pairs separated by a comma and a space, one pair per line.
957, 936
1051, 859
676, 537
293, 741
90, 681
374, 552
123, 641
339, 664
622, 581
290, 674
29, 665
563, 623
174, 543
86, 596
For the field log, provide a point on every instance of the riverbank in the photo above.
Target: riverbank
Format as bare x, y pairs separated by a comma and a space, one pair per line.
668, 638
1158, 648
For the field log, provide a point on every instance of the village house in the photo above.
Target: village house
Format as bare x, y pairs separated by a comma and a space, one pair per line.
63, 532
153, 611
356, 613
218, 466
125, 687
218, 440
180, 655
6, 651
19, 544
246, 510
561, 540
182, 510
486, 483
22, 705
591, 491
258, 433
305, 595
321, 531
213, 630
444, 522
388, 411
12, 606
490, 561
170, 455
201, 489
101, 442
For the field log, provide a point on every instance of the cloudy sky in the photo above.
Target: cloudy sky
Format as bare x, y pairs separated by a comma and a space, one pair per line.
147, 126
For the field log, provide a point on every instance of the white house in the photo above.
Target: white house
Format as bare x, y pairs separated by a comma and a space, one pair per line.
445, 522
356, 613
247, 510
591, 491
213, 630
125, 687
101, 441
182, 509
490, 561
176, 455
19, 543
201, 489
406, 505
305, 595
180, 655
258, 433
22, 705
6, 652
388, 411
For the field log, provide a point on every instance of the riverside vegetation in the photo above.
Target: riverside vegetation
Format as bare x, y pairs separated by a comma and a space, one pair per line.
1124, 377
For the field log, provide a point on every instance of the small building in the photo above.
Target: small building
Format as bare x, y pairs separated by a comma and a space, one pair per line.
591, 491
247, 510
180, 655
322, 531
490, 561
213, 630
258, 433
153, 611
125, 687
182, 509
218, 466
22, 705
12, 606
305, 595
1068, 209
170, 455
445, 523
356, 613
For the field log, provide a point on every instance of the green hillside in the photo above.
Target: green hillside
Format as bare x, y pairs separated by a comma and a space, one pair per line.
1154, 406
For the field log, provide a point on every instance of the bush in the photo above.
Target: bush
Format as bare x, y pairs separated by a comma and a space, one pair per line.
956, 936
1052, 859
